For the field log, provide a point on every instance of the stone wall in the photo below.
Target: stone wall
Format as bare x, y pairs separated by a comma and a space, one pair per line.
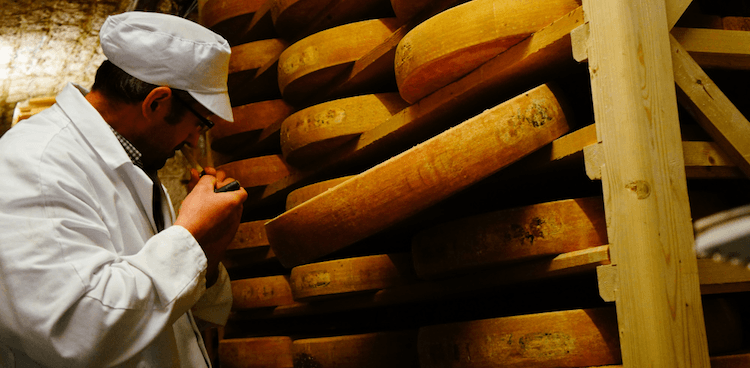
44, 44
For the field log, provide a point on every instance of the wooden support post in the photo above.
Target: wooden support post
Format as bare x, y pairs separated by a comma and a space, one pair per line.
658, 302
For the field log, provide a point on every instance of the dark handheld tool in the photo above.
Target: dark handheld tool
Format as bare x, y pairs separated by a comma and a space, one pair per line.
235, 185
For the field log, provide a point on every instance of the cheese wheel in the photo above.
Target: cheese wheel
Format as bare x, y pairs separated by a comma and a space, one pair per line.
257, 352
316, 131
311, 63
301, 195
417, 178
574, 338
510, 235
260, 292
394, 349
257, 171
213, 12
350, 275
249, 121
452, 43
247, 59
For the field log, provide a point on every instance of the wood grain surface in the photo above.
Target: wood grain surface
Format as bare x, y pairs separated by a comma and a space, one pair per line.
418, 178
509, 236
394, 349
318, 130
573, 338
256, 352
351, 275
249, 121
309, 64
456, 41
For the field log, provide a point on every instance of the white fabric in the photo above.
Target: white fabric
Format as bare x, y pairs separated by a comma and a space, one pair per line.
84, 282
166, 50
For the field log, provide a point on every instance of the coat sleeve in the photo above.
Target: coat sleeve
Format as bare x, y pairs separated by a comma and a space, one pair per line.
67, 298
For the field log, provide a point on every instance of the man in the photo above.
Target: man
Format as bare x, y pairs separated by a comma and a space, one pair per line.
89, 276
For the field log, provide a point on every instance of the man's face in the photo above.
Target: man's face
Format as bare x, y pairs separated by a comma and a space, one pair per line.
159, 141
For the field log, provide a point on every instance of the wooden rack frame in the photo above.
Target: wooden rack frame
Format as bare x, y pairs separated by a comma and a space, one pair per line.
634, 64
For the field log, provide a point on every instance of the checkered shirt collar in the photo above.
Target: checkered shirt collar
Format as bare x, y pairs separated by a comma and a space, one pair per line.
133, 152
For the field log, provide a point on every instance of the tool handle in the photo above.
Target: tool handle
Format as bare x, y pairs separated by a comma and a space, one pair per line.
235, 185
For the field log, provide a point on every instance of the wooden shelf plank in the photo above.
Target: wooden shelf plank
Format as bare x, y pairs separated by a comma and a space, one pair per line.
702, 160
716, 48
715, 278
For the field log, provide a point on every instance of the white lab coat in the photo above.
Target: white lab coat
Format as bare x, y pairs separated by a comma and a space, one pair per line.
84, 280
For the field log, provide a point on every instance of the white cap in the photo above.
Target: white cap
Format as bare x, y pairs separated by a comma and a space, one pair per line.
167, 50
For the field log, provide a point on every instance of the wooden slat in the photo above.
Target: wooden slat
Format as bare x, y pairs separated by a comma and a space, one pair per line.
716, 48
394, 349
301, 195
715, 278
456, 41
314, 132
658, 304
540, 55
702, 160
418, 178
509, 236
257, 352
711, 108
572, 338
675, 9
726, 361
261, 292
311, 63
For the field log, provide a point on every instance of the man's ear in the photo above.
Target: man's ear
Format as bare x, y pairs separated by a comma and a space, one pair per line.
157, 104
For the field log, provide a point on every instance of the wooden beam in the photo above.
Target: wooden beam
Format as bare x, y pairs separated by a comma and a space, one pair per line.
711, 108
716, 48
675, 9
659, 307
715, 278
702, 160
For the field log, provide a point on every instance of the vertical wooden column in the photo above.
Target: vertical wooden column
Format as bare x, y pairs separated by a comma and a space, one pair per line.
658, 300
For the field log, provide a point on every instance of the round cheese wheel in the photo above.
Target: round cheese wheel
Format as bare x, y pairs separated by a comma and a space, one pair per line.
394, 349
249, 121
317, 131
257, 171
309, 64
298, 196
458, 40
350, 275
574, 338
257, 352
261, 292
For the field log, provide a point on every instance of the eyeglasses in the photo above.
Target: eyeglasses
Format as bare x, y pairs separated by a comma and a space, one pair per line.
205, 123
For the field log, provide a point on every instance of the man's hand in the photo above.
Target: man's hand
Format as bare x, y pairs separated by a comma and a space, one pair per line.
212, 218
